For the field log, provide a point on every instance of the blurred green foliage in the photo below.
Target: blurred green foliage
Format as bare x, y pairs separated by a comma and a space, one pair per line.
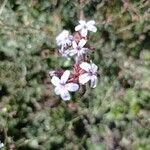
116, 115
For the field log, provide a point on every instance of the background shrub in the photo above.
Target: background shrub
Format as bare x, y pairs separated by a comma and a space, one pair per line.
113, 116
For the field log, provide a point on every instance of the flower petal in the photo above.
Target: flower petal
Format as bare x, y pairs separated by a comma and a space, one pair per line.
85, 66
51, 73
78, 27
91, 22
82, 42
1, 145
94, 68
65, 76
55, 80
92, 28
65, 54
81, 53
61, 37
84, 78
72, 87
78, 59
82, 22
74, 45
72, 52
84, 32
57, 90
65, 95
93, 81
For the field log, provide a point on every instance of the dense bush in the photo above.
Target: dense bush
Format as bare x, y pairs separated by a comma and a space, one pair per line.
113, 116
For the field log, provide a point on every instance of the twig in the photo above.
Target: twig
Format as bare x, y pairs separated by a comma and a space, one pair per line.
81, 15
126, 28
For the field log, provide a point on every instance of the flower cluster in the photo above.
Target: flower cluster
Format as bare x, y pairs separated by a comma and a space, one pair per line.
84, 70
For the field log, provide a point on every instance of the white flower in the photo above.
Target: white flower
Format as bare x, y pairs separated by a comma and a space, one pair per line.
62, 88
89, 75
84, 27
78, 49
63, 40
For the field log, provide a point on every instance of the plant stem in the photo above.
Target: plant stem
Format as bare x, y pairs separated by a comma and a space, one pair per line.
81, 15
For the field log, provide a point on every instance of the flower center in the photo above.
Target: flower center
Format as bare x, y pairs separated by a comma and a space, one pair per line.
91, 72
62, 83
78, 48
85, 27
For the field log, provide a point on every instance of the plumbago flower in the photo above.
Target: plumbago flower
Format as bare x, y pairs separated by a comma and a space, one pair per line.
63, 40
78, 50
62, 87
84, 70
89, 75
84, 27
